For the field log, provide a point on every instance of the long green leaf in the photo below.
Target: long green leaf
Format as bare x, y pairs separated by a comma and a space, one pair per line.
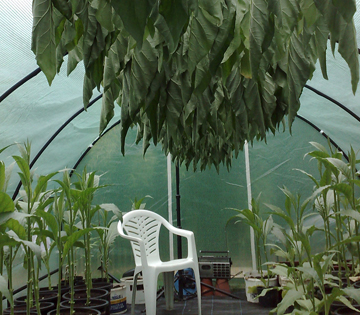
171, 22
260, 29
72, 239
6, 203
19, 216
134, 15
50, 220
43, 37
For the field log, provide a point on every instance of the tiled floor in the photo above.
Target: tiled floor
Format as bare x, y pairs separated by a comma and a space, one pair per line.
211, 305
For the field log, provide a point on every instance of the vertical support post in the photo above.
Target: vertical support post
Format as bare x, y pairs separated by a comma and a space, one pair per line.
249, 196
170, 218
178, 217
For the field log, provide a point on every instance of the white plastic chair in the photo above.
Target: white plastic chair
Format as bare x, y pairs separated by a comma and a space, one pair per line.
142, 228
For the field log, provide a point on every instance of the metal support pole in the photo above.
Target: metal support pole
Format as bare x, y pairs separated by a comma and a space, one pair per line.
249, 196
178, 217
170, 217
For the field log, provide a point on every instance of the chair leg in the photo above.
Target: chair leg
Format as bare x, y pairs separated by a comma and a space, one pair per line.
133, 296
150, 286
198, 288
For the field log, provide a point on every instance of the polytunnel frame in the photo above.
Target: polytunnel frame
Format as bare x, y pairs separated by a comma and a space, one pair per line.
248, 179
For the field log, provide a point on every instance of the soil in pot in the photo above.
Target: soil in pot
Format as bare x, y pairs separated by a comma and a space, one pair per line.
94, 293
97, 304
97, 284
78, 311
101, 280
43, 297
270, 299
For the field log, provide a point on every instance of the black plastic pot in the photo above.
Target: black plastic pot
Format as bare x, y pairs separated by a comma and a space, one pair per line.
346, 310
45, 307
270, 299
18, 310
94, 293
96, 304
102, 286
78, 311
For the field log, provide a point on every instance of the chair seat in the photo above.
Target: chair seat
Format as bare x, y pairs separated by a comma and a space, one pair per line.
171, 264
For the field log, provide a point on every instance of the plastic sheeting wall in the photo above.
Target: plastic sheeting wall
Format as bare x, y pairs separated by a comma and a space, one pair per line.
205, 196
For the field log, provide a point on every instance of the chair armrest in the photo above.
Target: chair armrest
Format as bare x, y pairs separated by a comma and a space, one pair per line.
192, 253
180, 232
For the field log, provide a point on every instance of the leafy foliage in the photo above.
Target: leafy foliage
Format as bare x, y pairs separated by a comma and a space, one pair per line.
198, 76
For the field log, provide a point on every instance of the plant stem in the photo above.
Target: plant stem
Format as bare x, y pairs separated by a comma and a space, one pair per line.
29, 266
1, 273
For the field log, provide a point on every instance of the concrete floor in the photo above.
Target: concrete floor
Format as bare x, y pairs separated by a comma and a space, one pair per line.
211, 305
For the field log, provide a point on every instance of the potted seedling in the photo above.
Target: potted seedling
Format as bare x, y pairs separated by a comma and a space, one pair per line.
12, 235
106, 236
262, 229
82, 196
31, 198
311, 287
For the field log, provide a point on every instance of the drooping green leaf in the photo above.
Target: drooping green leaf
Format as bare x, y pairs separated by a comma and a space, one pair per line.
74, 57
341, 166
43, 37
134, 15
113, 208
296, 79
171, 22
261, 32
349, 51
352, 293
104, 13
267, 49
352, 214
347, 8
202, 35
112, 233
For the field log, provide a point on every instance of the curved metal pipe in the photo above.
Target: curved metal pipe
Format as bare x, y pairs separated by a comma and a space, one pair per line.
53, 137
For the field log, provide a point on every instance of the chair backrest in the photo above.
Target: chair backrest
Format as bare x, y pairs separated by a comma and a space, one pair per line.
144, 224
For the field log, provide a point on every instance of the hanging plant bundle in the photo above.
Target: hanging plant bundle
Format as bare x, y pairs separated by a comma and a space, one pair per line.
198, 76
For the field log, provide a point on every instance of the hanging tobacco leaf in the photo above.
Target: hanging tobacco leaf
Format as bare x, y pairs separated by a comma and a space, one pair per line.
199, 77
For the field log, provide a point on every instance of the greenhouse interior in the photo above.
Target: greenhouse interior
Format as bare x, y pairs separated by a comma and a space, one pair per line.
213, 141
